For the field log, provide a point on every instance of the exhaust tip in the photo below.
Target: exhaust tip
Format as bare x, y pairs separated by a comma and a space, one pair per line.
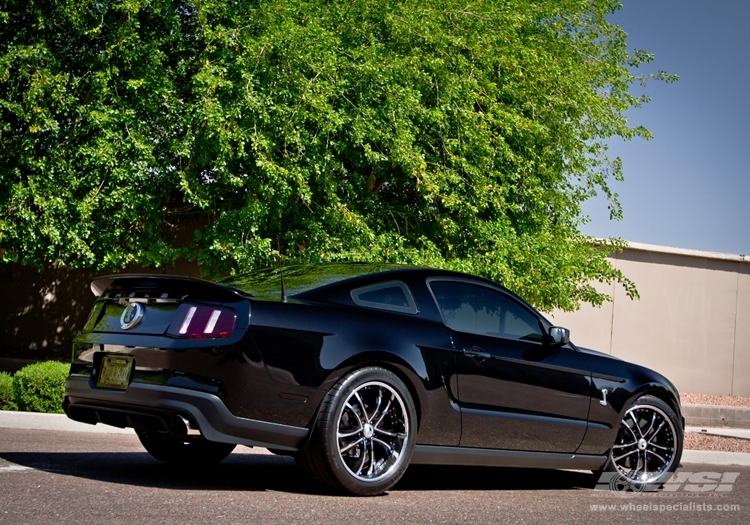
184, 427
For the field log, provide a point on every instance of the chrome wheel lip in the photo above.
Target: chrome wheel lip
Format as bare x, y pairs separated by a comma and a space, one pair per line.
370, 434
642, 444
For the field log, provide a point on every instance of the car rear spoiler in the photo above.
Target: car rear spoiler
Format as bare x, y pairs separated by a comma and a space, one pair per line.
173, 285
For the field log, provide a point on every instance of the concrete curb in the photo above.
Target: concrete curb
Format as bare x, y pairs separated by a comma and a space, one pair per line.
710, 457
739, 433
37, 421
716, 416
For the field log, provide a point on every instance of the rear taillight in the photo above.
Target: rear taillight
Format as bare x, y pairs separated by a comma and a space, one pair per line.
195, 321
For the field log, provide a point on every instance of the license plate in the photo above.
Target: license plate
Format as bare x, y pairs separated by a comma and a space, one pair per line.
115, 372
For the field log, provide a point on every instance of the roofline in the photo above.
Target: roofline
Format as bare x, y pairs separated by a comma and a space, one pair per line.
643, 247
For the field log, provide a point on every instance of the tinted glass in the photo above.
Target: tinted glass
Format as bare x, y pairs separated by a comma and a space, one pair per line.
479, 310
393, 296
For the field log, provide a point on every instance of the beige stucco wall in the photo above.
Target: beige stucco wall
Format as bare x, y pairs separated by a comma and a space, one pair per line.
741, 377
691, 323
590, 326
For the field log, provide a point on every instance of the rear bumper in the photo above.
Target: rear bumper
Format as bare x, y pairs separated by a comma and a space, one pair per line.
157, 407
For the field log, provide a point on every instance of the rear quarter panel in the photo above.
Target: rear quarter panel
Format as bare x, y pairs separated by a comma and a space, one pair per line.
309, 347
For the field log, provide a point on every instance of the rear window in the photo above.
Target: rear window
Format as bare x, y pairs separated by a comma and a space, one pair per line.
393, 296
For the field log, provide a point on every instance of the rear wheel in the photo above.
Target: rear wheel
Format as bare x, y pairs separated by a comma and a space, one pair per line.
184, 453
648, 446
364, 436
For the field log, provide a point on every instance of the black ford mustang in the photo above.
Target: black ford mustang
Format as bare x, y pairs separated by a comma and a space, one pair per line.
359, 370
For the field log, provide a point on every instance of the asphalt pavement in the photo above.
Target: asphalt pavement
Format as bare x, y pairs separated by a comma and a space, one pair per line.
73, 476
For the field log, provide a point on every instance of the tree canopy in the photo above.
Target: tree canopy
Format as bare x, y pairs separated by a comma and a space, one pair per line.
460, 134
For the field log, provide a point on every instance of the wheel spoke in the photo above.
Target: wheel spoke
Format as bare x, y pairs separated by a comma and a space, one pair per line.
349, 434
352, 444
362, 461
637, 425
385, 412
638, 464
663, 460
398, 435
372, 458
378, 401
635, 438
618, 458
389, 449
362, 405
657, 431
653, 420
351, 409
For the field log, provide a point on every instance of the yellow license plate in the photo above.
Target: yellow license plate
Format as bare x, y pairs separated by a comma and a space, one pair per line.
115, 372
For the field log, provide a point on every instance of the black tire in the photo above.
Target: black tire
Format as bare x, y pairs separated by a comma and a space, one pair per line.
184, 453
649, 429
364, 435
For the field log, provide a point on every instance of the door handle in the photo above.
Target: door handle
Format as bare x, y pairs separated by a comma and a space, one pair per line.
477, 354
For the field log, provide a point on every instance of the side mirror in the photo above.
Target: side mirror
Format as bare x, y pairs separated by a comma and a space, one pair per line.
559, 335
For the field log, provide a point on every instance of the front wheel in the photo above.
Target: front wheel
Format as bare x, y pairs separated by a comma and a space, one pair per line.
184, 453
648, 446
364, 436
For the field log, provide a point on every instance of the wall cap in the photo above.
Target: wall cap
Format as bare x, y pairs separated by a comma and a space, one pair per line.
642, 247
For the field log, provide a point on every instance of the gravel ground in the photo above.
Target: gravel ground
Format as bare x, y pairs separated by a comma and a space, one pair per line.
698, 441
707, 399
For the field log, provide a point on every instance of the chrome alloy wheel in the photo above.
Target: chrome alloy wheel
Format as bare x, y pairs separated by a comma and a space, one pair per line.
373, 428
645, 445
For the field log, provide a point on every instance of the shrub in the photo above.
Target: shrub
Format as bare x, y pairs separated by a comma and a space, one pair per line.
6, 392
40, 387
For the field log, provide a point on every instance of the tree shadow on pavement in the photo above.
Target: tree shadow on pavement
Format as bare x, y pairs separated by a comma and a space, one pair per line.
240, 472
435, 477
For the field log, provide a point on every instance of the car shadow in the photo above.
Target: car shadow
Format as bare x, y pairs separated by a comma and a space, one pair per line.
435, 477
262, 472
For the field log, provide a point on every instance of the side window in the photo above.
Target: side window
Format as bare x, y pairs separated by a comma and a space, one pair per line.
479, 310
393, 296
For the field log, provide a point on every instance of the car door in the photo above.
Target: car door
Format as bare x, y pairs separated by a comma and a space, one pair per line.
515, 390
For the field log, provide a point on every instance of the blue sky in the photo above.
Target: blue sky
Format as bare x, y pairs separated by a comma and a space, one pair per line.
689, 186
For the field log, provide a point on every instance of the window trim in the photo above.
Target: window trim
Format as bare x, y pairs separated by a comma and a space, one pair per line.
410, 309
430, 280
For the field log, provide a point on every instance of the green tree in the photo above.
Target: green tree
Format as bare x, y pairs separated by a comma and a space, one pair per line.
460, 134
